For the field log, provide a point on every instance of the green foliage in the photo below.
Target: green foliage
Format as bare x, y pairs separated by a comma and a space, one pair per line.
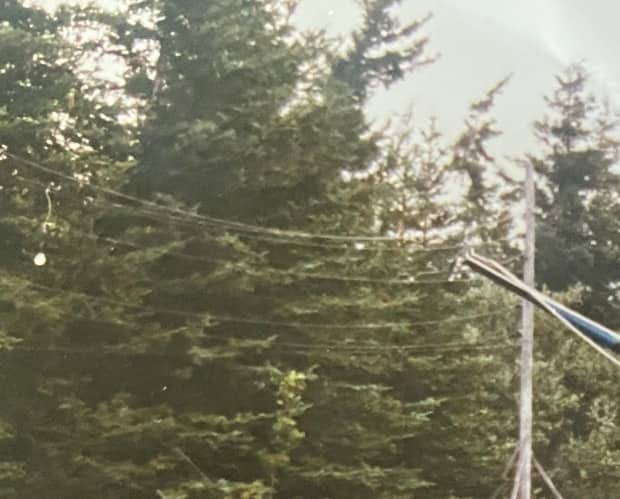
375, 57
222, 340
166, 366
578, 195
576, 254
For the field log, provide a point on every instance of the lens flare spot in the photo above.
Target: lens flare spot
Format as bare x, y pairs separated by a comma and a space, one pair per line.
40, 259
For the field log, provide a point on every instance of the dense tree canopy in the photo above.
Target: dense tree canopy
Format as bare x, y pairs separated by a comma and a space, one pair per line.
579, 194
219, 280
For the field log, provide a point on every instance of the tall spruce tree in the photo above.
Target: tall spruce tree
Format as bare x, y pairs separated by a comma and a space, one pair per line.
578, 195
200, 344
577, 252
172, 343
263, 153
382, 51
49, 115
469, 435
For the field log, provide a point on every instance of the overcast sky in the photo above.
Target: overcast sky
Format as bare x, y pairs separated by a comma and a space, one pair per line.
482, 41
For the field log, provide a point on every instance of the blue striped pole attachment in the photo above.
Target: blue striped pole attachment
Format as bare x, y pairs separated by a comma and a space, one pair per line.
578, 323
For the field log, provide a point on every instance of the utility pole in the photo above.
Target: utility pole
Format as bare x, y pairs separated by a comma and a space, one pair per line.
524, 468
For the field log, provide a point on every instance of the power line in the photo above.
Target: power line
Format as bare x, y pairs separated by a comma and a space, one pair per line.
324, 346
264, 343
430, 349
412, 280
158, 215
256, 321
214, 221
493, 270
293, 273
288, 348
226, 223
308, 275
284, 272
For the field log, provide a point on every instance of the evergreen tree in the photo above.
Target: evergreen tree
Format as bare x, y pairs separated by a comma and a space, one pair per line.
382, 50
468, 437
48, 114
577, 198
576, 254
262, 153
172, 340
211, 331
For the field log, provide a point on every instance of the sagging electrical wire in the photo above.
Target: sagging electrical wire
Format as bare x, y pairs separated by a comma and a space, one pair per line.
570, 319
158, 216
290, 347
412, 280
207, 317
306, 349
227, 224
